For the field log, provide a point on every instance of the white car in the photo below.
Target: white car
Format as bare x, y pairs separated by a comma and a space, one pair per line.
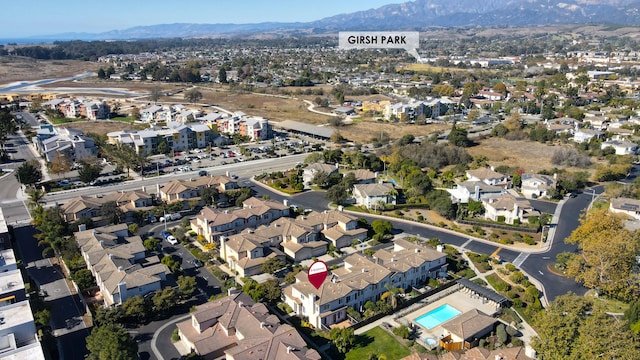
172, 240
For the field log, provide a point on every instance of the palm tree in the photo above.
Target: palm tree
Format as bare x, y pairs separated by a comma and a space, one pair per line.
35, 196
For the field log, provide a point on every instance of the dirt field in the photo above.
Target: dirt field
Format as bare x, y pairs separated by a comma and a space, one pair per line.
362, 131
101, 127
529, 155
24, 69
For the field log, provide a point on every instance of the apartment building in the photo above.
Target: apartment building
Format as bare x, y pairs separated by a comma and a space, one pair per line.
213, 223
363, 279
53, 141
119, 263
18, 338
179, 137
237, 328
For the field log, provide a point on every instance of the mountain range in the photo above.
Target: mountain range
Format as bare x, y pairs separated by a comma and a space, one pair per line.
413, 15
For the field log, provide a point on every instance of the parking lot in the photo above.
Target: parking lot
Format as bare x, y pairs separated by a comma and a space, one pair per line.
203, 158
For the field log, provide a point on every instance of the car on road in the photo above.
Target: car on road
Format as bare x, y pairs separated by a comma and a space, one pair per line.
196, 263
170, 217
165, 234
172, 240
202, 173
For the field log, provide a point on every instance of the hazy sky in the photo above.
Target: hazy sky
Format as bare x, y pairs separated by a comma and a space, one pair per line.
44, 17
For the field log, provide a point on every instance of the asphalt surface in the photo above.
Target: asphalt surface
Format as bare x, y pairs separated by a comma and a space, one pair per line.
66, 314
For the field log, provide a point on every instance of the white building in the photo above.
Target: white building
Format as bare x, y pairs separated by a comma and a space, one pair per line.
363, 279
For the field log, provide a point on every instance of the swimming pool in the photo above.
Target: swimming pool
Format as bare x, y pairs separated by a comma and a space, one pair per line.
437, 316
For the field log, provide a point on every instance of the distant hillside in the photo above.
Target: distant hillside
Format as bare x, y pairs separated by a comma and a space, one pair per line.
414, 15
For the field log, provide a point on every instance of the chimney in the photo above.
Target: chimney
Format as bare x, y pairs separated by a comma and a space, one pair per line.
364, 270
417, 250
492, 168
240, 303
285, 202
290, 349
262, 325
82, 227
120, 268
440, 248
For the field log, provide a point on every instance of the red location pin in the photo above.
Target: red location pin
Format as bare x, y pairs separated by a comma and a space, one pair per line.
318, 273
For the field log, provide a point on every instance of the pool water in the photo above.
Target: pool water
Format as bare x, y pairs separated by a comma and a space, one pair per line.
437, 316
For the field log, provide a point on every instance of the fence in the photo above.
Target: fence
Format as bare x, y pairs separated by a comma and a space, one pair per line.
441, 291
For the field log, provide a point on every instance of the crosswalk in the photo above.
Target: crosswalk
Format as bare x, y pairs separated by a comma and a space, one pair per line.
520, 259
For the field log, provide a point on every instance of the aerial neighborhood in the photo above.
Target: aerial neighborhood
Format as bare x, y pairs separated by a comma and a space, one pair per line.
261, 192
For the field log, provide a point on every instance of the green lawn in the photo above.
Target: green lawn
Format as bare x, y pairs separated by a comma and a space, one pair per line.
127, 119
58, 121
379, 342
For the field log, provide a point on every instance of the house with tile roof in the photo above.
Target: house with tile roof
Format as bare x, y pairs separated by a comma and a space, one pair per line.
363, 279
464, 330
213, 223
181, 190
536, 186
364, 176
487, 175
89, 206
237, 328
119, 263
626, 206
310, 171
473, 190
374, 195
508, 207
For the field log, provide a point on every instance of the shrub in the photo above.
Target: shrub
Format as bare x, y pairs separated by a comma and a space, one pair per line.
401, 331
510, 267
516, 277
174, 336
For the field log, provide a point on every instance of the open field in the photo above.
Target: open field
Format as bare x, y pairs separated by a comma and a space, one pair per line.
362, 131
530, 155
25, 69
101, 127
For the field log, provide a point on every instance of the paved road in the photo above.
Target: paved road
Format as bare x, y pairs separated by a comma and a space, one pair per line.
243, 169
536, 265
66, 313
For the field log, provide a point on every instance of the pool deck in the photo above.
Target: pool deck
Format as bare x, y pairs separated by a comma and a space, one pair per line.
461, 300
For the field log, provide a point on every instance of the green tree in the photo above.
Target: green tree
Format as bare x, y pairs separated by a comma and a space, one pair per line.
222, 75
194, 95
272, 291
135, 308
458, 137
111, 342
29, 173
186, 286
42, 317
89, 170
272, 265
135, 114
111, 212
84, 279
343, 339
254, 289
501, 334
577, 327
164, 299
151, 244
382, 227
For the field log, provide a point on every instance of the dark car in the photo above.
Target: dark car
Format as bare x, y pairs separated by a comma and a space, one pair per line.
165, 234
196, 263
202, 173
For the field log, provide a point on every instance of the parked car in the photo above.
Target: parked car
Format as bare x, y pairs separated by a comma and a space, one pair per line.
172, 240
63, 183
165, 234
170, 217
